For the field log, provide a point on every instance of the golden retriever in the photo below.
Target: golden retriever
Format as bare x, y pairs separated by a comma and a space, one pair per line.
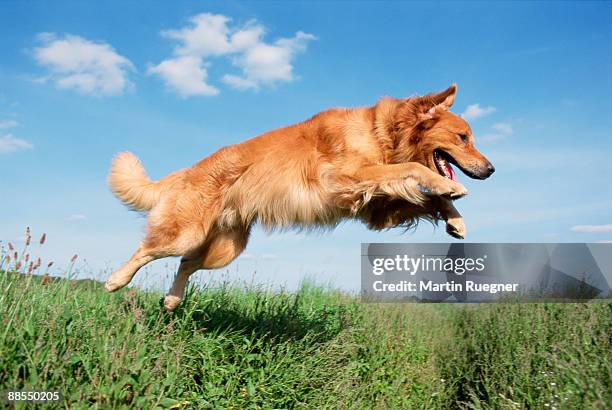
387, 165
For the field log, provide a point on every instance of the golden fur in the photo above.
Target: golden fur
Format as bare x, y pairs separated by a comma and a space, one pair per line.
374, 164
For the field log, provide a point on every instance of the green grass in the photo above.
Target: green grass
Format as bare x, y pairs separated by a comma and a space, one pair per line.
316, 348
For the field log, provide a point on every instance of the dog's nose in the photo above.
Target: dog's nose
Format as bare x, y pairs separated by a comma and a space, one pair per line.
490, 169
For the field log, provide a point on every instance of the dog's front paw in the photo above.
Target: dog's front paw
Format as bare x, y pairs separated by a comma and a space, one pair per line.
455, 227
449, 188
456, 190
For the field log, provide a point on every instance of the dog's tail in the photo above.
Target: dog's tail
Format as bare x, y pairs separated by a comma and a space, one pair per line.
129, 182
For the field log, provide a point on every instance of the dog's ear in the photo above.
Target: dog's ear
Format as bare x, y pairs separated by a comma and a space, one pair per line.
445, 99
442, 101
427, 115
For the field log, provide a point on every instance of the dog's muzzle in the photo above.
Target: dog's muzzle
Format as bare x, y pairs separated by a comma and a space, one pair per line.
485, 171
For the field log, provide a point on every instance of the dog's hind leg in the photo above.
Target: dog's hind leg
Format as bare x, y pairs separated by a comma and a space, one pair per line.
169, 239
124, 275
186, 269
222, 247
157, 245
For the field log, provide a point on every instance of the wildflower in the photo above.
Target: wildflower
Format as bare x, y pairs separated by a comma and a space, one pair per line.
43, 238
11, 247
74, 258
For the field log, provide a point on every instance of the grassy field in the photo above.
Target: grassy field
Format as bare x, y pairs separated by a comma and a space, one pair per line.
317, 348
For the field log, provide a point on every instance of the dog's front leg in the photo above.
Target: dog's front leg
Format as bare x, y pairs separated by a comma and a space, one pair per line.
412, 173
455, 226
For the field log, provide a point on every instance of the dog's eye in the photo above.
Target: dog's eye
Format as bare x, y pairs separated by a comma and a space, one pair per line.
464, 137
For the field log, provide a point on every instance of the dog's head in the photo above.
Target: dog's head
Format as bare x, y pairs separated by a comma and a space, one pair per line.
428, 133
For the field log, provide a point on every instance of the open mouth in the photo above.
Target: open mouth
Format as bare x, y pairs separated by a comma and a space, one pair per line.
443, 164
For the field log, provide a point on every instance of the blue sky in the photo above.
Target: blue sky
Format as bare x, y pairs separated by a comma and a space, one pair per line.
80, 81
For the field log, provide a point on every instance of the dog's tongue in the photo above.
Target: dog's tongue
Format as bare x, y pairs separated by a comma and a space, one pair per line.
450, 171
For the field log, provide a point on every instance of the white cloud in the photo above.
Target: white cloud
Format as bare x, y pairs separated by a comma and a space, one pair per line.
265, 64
76, 217
9, 143
8, 124
186, 75
491, 137
605, 241
209, 35
592, 228
76, 63
475, 111
500, 131
503, 127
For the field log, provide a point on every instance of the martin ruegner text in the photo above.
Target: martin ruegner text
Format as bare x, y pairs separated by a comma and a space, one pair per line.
429, 286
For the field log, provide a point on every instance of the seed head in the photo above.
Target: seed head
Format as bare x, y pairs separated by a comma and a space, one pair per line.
74, 258
43, 238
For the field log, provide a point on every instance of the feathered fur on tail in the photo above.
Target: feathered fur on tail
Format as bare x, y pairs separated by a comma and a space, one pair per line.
129, 182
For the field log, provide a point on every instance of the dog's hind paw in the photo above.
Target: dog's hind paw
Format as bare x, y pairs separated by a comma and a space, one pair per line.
112, 286
171, 302
455, 227
117, 281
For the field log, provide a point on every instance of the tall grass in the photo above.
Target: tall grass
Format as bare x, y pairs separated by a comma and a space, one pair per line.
232, 347
530, 356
